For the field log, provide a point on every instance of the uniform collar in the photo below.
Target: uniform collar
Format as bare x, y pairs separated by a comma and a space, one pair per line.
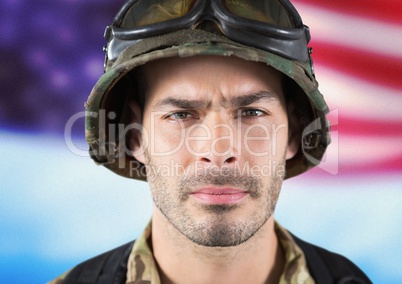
142, 268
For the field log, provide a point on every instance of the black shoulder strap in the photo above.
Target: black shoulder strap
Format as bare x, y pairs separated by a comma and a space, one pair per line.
107, 268
327, 267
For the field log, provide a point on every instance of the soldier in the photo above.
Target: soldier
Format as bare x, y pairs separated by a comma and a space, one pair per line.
214, 104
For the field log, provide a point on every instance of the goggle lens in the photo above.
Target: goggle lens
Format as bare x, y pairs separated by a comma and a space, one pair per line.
148, 12
271, 12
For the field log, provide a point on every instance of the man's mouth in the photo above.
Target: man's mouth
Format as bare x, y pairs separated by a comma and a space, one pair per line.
219, 195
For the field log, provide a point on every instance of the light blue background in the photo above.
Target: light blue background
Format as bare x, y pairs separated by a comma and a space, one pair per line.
58, 209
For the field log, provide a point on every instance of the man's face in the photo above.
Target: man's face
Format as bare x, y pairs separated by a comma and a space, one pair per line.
215, 145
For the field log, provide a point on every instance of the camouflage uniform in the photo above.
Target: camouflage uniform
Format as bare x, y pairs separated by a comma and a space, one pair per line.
142, 268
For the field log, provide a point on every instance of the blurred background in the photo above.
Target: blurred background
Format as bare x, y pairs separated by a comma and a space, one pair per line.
57, 208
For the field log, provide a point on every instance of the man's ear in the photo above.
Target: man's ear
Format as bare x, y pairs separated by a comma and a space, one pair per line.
294, 135
135, 139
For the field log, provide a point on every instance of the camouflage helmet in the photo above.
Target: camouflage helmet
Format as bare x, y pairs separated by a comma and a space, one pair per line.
139, 35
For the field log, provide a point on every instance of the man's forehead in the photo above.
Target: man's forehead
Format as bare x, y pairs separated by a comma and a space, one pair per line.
206, 102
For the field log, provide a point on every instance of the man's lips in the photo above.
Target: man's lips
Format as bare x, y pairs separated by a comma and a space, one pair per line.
213, 195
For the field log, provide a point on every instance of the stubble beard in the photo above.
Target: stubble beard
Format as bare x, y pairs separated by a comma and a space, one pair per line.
217, 228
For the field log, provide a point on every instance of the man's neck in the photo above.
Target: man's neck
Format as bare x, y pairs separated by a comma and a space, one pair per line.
258, 260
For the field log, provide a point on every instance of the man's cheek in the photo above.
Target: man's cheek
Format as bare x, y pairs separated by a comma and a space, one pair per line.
261, 140
164, 144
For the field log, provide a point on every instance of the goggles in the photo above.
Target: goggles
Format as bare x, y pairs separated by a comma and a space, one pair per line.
271, 25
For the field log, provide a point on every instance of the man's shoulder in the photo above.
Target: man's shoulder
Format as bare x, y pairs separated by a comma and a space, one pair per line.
108, 267
329, 267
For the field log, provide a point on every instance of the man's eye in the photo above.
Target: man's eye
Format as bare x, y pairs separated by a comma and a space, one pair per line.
179, 115
252, 112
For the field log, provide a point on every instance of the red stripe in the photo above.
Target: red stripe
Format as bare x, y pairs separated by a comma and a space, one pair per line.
389, 11
352, 126
372, 168
378, 69
386, 166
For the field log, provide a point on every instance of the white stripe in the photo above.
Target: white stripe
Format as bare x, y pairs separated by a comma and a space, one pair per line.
359, 151
362, 33
357, 98
365, 150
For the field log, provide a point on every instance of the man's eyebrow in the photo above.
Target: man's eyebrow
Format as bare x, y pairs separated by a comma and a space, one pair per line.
236, 102
252, 98
180, 103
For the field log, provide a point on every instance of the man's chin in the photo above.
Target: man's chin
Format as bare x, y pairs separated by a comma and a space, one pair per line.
221, 230
221, 238
220, 208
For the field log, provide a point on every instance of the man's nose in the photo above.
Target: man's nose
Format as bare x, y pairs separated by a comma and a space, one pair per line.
215, 142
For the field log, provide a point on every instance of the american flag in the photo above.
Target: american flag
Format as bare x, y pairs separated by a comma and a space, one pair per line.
358, 62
